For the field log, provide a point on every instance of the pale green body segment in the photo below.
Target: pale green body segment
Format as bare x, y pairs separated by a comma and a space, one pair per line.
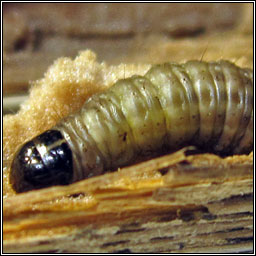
196, 103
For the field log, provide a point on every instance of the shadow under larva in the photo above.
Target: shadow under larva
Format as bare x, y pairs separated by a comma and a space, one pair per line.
208, 105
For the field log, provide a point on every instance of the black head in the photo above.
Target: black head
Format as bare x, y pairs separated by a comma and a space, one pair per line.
42, 162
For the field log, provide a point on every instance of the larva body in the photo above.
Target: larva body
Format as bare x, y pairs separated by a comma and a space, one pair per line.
209, 105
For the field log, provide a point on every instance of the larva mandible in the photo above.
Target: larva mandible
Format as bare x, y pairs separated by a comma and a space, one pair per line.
209, 105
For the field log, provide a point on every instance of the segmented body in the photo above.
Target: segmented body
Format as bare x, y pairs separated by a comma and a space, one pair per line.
209, 105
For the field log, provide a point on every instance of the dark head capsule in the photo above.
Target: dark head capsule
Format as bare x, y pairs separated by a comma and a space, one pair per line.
42, 162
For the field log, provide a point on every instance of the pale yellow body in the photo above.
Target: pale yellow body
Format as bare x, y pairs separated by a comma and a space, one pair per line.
209, 105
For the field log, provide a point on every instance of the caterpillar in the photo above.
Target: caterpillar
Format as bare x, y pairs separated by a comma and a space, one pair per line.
209, 105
